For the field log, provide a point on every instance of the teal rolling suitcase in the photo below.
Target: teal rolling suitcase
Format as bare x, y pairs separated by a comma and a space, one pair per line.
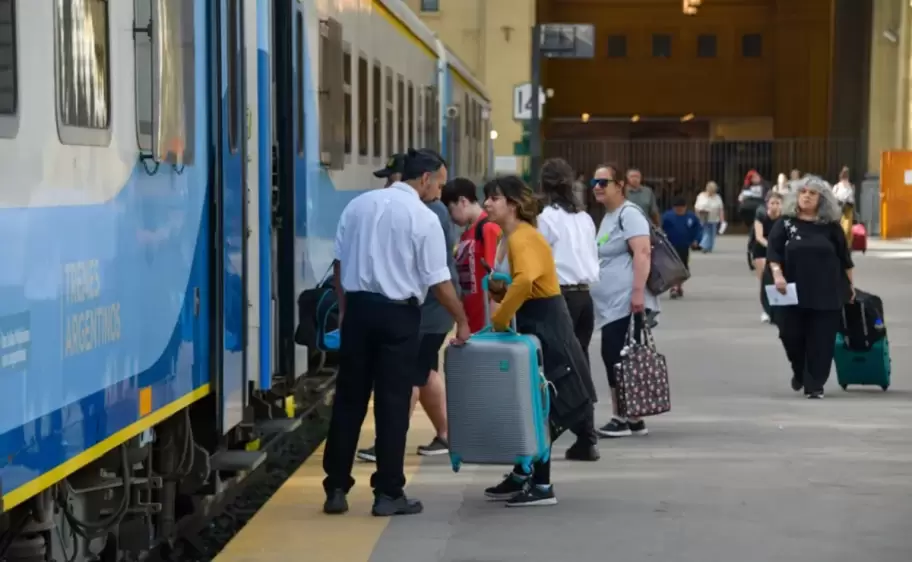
871, 367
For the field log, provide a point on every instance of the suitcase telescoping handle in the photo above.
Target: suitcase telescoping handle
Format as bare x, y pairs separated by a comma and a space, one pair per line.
864, 322
496, 276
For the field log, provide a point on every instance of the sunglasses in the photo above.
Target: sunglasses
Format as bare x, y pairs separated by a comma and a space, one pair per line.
600, 182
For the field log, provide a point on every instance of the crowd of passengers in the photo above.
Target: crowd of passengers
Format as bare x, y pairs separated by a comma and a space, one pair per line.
579, 257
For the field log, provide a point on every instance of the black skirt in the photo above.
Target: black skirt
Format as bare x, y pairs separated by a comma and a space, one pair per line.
564, 363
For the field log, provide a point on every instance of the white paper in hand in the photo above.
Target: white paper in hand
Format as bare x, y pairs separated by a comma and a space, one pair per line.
722, 227
778, 299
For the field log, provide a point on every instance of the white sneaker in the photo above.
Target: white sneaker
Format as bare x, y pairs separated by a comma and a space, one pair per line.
765, 318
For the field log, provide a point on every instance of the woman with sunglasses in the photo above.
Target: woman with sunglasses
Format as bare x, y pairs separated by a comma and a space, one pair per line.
624, 249
534, 299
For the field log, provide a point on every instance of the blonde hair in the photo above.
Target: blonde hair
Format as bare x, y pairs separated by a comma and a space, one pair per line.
828, 209
713, 185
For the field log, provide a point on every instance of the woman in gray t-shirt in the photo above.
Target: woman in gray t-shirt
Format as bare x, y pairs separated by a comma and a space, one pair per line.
623, 249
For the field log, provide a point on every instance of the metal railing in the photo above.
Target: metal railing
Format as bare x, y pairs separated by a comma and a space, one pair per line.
681, 167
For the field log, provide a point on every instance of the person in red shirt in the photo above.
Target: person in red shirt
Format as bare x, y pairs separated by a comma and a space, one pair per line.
477, 246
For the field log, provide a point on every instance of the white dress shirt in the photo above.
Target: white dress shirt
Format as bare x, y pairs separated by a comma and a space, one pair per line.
844, 192
389, 242
572, 240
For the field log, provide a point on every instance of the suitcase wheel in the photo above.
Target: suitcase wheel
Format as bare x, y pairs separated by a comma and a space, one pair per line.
844, 386
884, 387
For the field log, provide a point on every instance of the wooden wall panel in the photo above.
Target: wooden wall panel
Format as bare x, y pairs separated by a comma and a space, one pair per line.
726, 85
789, 82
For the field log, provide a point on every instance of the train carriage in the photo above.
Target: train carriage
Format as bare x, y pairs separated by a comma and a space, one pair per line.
173, 171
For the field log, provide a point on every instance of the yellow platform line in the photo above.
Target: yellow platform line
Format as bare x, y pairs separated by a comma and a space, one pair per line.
292, 526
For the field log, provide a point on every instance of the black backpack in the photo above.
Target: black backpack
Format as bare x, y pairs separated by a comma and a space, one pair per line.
863, 322
318, 314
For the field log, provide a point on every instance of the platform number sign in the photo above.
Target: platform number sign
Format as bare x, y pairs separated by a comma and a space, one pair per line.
522, 101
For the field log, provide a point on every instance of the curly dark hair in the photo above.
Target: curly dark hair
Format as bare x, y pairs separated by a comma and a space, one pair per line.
515, 190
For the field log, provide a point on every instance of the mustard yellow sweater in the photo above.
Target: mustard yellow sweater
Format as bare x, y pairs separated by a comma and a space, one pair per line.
532, 269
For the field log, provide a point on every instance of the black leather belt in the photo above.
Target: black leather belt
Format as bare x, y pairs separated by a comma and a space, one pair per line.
574, 288
380, 298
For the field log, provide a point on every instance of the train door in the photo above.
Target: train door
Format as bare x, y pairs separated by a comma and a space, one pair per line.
229, 216
289, 121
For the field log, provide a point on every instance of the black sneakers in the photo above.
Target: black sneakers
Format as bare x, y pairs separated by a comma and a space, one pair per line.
582, 451
534, 496
512, 485
622, 428
336, 503
385, 506
436, 447
517, 491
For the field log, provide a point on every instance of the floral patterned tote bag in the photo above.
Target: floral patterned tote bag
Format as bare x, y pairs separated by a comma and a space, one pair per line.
642, 376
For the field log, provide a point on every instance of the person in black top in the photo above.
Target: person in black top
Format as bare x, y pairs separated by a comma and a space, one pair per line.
763, 225
807, 247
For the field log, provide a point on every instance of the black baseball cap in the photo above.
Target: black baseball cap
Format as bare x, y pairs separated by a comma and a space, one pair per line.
395, 165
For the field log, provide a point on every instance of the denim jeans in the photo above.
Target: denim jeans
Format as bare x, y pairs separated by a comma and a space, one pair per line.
710, 229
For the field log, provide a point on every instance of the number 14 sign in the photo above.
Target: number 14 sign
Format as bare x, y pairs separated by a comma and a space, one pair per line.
522, 101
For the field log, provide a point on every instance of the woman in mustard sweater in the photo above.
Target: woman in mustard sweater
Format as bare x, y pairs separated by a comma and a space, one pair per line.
534, 298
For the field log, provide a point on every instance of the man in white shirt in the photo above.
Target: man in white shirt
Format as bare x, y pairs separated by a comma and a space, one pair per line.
389, 252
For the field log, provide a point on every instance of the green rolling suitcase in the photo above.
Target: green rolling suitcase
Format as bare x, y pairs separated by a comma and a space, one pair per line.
871, 367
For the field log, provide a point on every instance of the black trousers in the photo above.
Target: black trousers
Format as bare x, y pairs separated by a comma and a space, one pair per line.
379, 345
809, 339
614, 338
582, 314
766, 279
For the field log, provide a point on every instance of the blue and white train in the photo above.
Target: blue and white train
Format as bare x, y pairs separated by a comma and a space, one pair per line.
172, 175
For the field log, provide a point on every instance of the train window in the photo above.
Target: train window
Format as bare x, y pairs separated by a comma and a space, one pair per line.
165, 85
432, 132
363, 123
9, 89
476, 126
347, 88
411, 115
377, 102
467, 115
332, 94
82, 65
299, 82
430, 5
390, 125
419, 111
400, 108
233, 62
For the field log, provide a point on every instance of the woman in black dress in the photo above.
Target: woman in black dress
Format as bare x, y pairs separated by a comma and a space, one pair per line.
763, 224
807, 247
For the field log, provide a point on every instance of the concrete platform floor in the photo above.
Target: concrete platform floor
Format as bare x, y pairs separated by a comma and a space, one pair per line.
741, 469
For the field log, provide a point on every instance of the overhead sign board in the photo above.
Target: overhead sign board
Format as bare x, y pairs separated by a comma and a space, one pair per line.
523, 99
568, 40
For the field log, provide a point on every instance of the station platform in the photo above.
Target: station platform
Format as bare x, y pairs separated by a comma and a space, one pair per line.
741, 469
